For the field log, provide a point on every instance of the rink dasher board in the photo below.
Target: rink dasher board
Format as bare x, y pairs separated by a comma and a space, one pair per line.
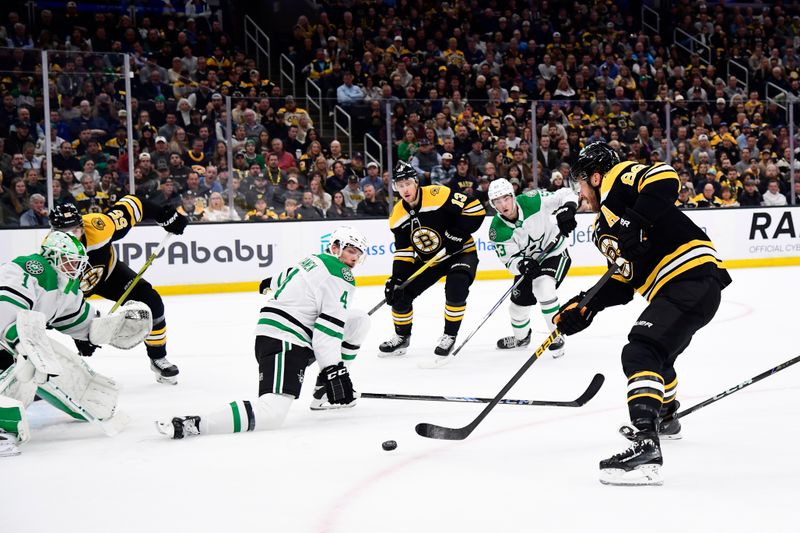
232, 257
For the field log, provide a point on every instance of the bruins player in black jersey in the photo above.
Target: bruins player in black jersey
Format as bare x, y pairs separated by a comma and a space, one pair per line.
107, 277
424, 221
672, 263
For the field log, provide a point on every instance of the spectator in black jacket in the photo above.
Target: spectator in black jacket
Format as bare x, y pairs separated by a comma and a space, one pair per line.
750, 196
370, 206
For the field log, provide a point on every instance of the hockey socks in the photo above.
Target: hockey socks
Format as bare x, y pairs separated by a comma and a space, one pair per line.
268, 412
453, 314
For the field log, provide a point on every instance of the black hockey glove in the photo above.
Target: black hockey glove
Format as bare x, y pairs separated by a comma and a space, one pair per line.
453, 242
265, 286
565, 217
171, 220
633, 243
85, 348
571, 320
530, 268
338, 385
392, 291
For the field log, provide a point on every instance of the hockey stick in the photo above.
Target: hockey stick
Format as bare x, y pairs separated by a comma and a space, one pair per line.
740, 386
139, 275
433, 431
438, 258
442, 360
588, 394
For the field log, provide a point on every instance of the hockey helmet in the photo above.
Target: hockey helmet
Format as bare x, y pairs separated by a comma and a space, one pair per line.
65, 216
597, 157
66, 253
404, 171
348, 236
499, 188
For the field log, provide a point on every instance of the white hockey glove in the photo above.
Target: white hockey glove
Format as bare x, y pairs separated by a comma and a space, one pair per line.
125, 328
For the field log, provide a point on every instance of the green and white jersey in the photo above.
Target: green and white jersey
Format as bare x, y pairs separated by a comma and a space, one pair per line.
310, 307
533, 230
31, 283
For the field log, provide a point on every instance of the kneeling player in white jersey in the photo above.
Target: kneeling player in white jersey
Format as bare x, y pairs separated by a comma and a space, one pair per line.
310, 318
40, 291
520, 231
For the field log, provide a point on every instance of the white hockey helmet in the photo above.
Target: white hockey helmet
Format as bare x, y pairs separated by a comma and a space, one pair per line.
348, 236
499, 188
66, 253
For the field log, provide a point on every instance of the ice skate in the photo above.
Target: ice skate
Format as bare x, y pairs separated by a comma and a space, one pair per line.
8, 444
511, 342
397, 345
669, 428
165, 371
640, 464
445, 346
179, 427
556, 347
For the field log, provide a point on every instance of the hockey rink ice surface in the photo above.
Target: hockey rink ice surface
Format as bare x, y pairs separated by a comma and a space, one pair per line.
524, 468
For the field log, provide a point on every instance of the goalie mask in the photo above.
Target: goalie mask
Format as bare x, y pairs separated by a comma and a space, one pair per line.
345, 236
66, 253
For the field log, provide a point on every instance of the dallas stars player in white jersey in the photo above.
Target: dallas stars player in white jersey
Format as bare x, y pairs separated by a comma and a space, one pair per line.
310, 318
520, 231
41, 291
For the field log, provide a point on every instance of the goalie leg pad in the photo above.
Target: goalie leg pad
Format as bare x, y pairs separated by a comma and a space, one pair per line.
34, 346
17, 383
13, 419
125, 328
79, 388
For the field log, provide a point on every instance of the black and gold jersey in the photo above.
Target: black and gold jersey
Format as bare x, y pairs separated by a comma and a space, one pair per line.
419, 231
679, 248
102, 229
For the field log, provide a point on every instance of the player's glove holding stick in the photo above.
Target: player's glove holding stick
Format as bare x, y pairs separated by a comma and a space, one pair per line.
171, 220
570, 319
565, 218
633, 243
338, 385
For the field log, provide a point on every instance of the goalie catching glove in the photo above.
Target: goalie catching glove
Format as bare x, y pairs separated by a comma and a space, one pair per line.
124, 328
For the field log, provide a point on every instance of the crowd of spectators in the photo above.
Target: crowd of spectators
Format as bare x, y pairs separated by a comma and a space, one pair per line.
461, 82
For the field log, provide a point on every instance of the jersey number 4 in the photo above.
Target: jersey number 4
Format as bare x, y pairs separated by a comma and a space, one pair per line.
343, 299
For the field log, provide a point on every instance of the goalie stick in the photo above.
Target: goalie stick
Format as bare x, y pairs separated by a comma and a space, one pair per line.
588, 394
139, 274
432, 431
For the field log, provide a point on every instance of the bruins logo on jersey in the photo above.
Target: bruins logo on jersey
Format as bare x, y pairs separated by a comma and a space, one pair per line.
91, 277
610, 248
426, 240
98, 223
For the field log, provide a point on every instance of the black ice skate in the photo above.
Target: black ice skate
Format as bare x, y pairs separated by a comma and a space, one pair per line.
397, 345
511, 342
179, 427
669, 428
165, 371
445, 346
640, 464
556, 347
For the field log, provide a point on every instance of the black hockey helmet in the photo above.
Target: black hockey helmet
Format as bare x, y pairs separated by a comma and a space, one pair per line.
404, 171
65, 216
597, 157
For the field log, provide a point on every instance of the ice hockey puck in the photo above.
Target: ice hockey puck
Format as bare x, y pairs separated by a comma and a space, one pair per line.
389, 445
